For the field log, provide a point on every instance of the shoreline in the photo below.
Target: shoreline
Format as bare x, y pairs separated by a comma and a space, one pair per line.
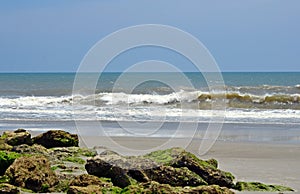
264, 153
271, 163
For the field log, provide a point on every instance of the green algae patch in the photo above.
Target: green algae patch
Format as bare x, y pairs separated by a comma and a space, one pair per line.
75, 160
256, 186
164, 156
4, 179
6, 159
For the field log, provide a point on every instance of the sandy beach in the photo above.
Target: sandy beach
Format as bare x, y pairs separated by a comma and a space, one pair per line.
264, 153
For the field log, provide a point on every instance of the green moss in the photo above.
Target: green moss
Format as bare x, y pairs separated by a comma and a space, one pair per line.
4, 136
75, 160
107, 180
6, 159
114, 190
62, 186
53, 168
45, 188
202, 163
229, 175
4, 179
163, 156
26, 190
256, 186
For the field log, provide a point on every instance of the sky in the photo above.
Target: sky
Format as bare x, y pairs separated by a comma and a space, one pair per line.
55, 35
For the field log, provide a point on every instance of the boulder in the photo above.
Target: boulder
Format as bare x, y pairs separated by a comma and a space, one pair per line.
107, 167
18, 137
8, 189
32, 173
56, 138
206, 170
157, 166
178, 158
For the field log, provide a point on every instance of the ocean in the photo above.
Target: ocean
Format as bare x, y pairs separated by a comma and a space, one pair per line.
250, 98
39, 101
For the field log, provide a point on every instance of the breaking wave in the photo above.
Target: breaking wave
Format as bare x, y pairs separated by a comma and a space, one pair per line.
197, 99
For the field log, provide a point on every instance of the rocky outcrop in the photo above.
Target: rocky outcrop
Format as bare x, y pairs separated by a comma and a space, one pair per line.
32, 173
56, 138
55, 163
175, 167
18, 137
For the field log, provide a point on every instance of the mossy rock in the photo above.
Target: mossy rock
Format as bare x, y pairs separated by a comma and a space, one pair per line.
31, 150
56, 138
174, 176
256, 186
155, 187
6, 159
4, 146
18, 137
32, 172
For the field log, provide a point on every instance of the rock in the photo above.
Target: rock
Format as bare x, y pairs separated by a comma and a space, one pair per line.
18, 137
5, 146
6, 159
173, 166
108, 167
155, 187
32, 173
256, 186
91, 184
56, 138
213, 189
95, 189
8, 189
84, 180
174, 176
34, 149
206, 170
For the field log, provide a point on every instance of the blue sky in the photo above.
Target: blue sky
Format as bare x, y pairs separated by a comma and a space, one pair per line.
54, 35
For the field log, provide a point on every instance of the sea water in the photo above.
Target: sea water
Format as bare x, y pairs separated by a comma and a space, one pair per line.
250, 98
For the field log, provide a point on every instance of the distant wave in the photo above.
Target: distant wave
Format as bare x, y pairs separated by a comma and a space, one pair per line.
196, 99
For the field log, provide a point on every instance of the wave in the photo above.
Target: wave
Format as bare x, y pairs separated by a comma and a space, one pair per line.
197, 100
